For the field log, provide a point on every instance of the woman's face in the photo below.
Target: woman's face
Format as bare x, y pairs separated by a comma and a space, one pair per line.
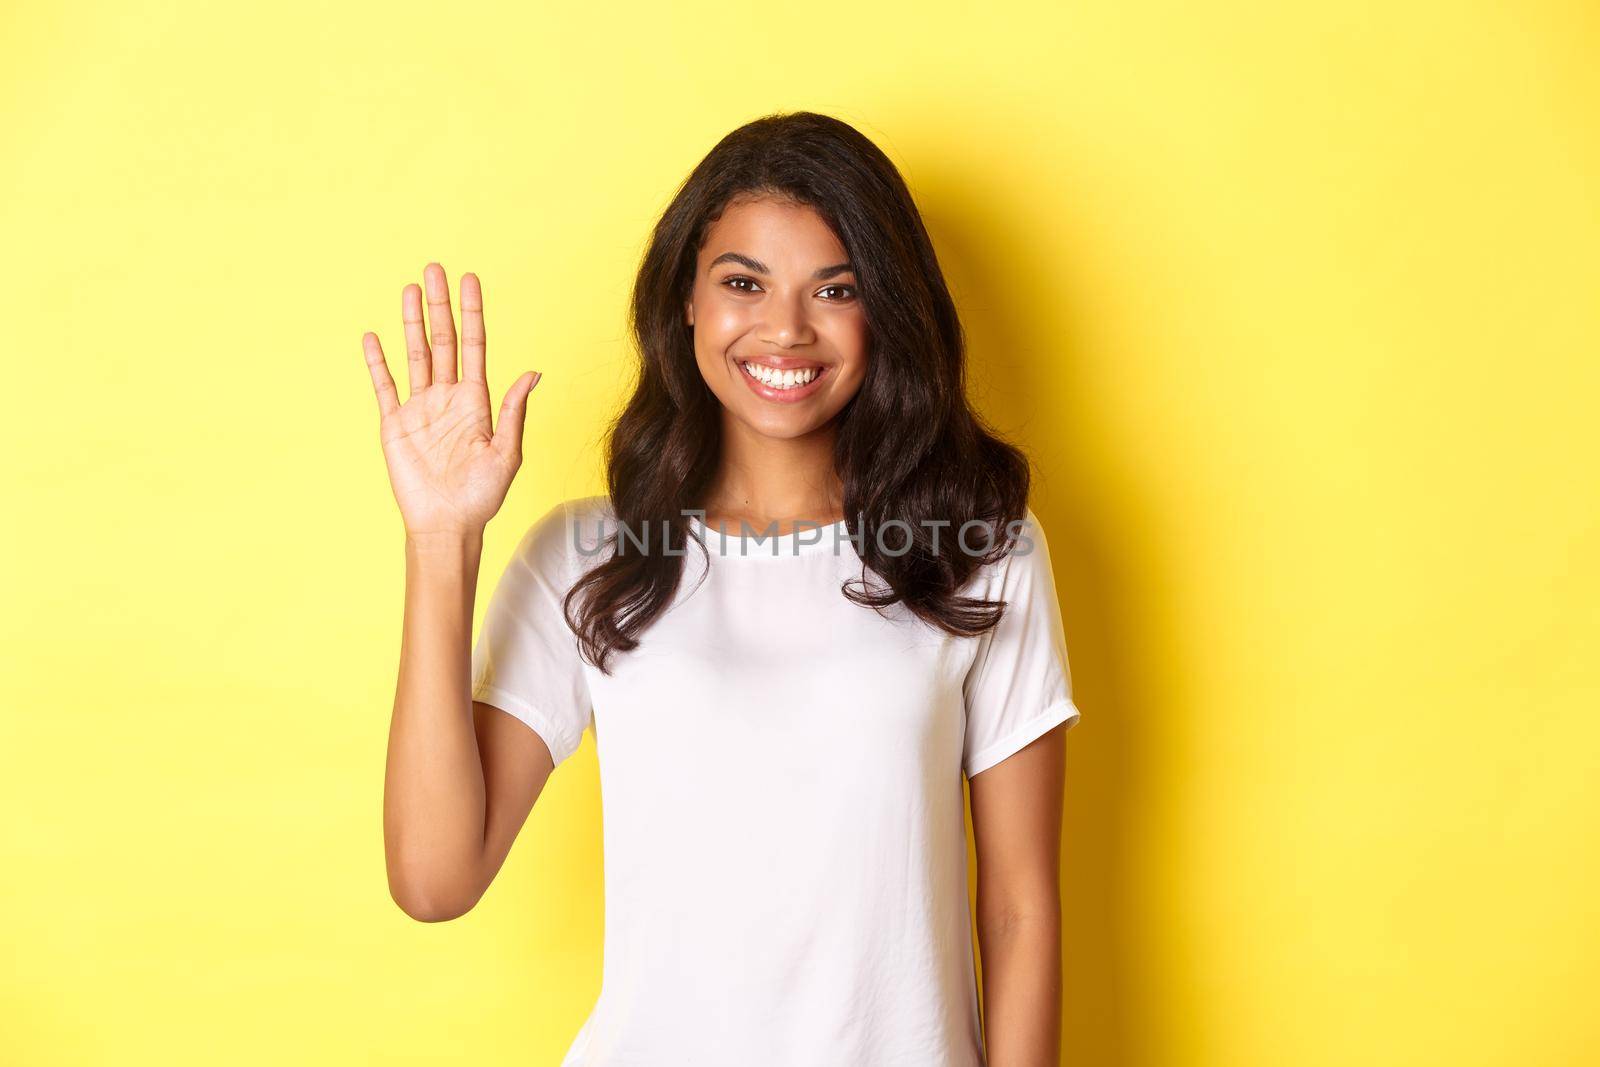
779, 331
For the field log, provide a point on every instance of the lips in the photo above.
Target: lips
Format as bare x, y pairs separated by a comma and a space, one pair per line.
783, 363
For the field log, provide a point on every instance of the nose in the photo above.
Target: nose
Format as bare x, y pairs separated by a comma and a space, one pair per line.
786, 324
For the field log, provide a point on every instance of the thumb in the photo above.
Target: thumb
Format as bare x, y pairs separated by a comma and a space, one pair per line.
513, 412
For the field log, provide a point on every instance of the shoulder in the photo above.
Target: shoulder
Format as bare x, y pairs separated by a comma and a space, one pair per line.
591, 508
562, 539
1026, 558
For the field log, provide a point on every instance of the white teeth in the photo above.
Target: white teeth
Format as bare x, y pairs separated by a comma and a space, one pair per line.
787, 379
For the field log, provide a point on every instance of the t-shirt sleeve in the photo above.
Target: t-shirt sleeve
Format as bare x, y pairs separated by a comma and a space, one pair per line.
1019, 685
526, 661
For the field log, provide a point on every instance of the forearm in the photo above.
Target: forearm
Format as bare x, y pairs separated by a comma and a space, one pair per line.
434, 794
1021, 951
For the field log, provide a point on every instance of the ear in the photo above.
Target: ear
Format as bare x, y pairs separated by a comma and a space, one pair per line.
688, 313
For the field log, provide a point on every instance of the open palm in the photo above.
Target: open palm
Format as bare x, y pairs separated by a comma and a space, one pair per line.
449, 466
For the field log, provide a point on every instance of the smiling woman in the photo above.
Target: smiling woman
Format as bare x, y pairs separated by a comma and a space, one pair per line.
795, 244
791, 333
785, 864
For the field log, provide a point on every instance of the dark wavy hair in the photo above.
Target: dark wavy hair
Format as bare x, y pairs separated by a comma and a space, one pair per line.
908, 446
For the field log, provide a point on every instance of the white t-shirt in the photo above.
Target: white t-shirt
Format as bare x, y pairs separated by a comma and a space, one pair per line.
780, 772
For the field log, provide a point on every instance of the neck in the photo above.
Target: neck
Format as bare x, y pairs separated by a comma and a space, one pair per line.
764, 479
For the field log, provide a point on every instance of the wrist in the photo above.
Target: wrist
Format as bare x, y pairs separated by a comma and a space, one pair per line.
444, 545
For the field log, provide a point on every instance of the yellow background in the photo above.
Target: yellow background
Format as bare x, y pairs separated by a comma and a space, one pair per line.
1298, 311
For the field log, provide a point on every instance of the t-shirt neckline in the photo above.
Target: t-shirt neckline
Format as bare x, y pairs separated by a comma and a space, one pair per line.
757, 544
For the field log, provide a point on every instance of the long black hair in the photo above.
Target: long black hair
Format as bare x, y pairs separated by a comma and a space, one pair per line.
908, 445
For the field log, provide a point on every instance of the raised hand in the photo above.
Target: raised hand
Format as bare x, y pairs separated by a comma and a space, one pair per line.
449, 467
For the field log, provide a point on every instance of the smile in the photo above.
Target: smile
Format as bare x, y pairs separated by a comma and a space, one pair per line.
789, 384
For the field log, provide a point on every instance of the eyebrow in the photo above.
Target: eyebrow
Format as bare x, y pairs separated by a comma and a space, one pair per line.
761, 268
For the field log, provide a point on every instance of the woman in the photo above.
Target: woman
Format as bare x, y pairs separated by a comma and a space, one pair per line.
813, 598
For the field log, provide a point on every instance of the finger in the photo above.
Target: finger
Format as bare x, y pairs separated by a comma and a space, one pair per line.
419, 361
508, 432
382, 383
441, 326
472, 338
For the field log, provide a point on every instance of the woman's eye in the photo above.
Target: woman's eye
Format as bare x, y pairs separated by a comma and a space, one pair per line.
748, 285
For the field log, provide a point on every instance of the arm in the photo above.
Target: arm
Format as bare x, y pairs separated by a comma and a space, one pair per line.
461, 776
458, 782
1016, 822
